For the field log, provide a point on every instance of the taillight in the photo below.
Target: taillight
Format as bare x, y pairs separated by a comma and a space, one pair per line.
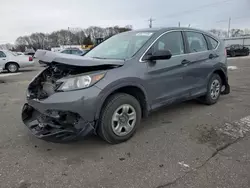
30, 58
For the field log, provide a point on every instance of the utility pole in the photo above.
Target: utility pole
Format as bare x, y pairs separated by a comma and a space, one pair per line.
151, 22
229, 27
179, 24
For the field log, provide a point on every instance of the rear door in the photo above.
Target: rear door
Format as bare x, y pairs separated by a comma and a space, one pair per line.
3, 60
201, 59
165, 77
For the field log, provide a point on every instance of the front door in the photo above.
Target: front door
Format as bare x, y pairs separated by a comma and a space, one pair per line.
165, 77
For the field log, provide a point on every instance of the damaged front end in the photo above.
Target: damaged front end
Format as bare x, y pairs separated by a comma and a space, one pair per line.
55, 126
57, 113
53, 122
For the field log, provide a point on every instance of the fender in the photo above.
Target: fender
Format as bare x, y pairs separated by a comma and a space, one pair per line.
219, 67
118, 84
223, 68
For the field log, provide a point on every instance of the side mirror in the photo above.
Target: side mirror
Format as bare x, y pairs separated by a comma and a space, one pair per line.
160, 55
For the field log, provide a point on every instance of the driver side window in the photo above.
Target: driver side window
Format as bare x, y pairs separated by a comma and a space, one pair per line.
171, 41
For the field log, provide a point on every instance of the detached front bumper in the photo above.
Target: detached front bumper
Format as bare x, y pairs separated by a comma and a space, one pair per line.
63, 116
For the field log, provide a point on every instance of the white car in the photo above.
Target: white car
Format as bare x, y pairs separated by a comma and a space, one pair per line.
11, 61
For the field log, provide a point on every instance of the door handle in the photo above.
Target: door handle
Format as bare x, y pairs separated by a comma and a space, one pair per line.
185, 62
3, 59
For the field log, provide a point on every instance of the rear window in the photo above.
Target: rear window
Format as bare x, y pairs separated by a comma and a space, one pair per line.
76, 52
13, 53
66, 51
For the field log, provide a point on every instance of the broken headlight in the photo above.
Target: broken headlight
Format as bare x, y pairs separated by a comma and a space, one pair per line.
79, 82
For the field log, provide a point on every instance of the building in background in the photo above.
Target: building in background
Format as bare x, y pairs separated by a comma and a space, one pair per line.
245, 41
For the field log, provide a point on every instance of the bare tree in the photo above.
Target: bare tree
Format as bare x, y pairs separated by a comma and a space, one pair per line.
73, 36
236, 32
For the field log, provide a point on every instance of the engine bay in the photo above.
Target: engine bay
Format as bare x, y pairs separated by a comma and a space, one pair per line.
46, 83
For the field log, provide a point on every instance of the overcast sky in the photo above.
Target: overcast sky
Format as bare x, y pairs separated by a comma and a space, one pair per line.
22, 17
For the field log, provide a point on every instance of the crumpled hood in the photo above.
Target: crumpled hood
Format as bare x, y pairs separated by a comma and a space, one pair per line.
49, 57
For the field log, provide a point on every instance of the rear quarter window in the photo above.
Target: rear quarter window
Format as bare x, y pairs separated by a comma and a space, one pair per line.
214, 43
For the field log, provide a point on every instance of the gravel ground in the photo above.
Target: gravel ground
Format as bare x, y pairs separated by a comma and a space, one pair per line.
184, 145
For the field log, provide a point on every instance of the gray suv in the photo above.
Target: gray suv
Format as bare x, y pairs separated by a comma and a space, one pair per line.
122, 80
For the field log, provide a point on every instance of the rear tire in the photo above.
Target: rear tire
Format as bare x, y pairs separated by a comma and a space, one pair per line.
12, 67
115, 125
213, 90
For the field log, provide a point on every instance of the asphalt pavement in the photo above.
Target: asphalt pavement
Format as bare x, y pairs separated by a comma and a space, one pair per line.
180, 146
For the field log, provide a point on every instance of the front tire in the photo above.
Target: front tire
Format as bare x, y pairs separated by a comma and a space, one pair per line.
213, 90
120, 117
12, 67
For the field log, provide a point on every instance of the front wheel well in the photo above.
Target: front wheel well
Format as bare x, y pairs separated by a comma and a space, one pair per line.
135, 92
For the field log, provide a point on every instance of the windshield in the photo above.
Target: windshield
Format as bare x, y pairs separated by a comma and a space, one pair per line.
121, 46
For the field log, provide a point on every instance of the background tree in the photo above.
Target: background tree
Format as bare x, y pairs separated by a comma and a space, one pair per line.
71, 36
87, 40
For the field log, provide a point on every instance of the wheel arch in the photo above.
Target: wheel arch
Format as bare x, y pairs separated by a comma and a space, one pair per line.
222, 75
5, 66
224, 78
135, 90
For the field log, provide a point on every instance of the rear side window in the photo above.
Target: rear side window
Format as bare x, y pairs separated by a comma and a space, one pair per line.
2, 54
196, 42
213, 42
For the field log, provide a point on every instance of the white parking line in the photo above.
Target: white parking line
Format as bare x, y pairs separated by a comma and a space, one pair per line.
238, 128
183, 164
9, 74
243, 57
232, 67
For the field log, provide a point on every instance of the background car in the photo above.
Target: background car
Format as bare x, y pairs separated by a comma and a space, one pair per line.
29, 53
11, 61
73, 51
19, 53
237, 50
